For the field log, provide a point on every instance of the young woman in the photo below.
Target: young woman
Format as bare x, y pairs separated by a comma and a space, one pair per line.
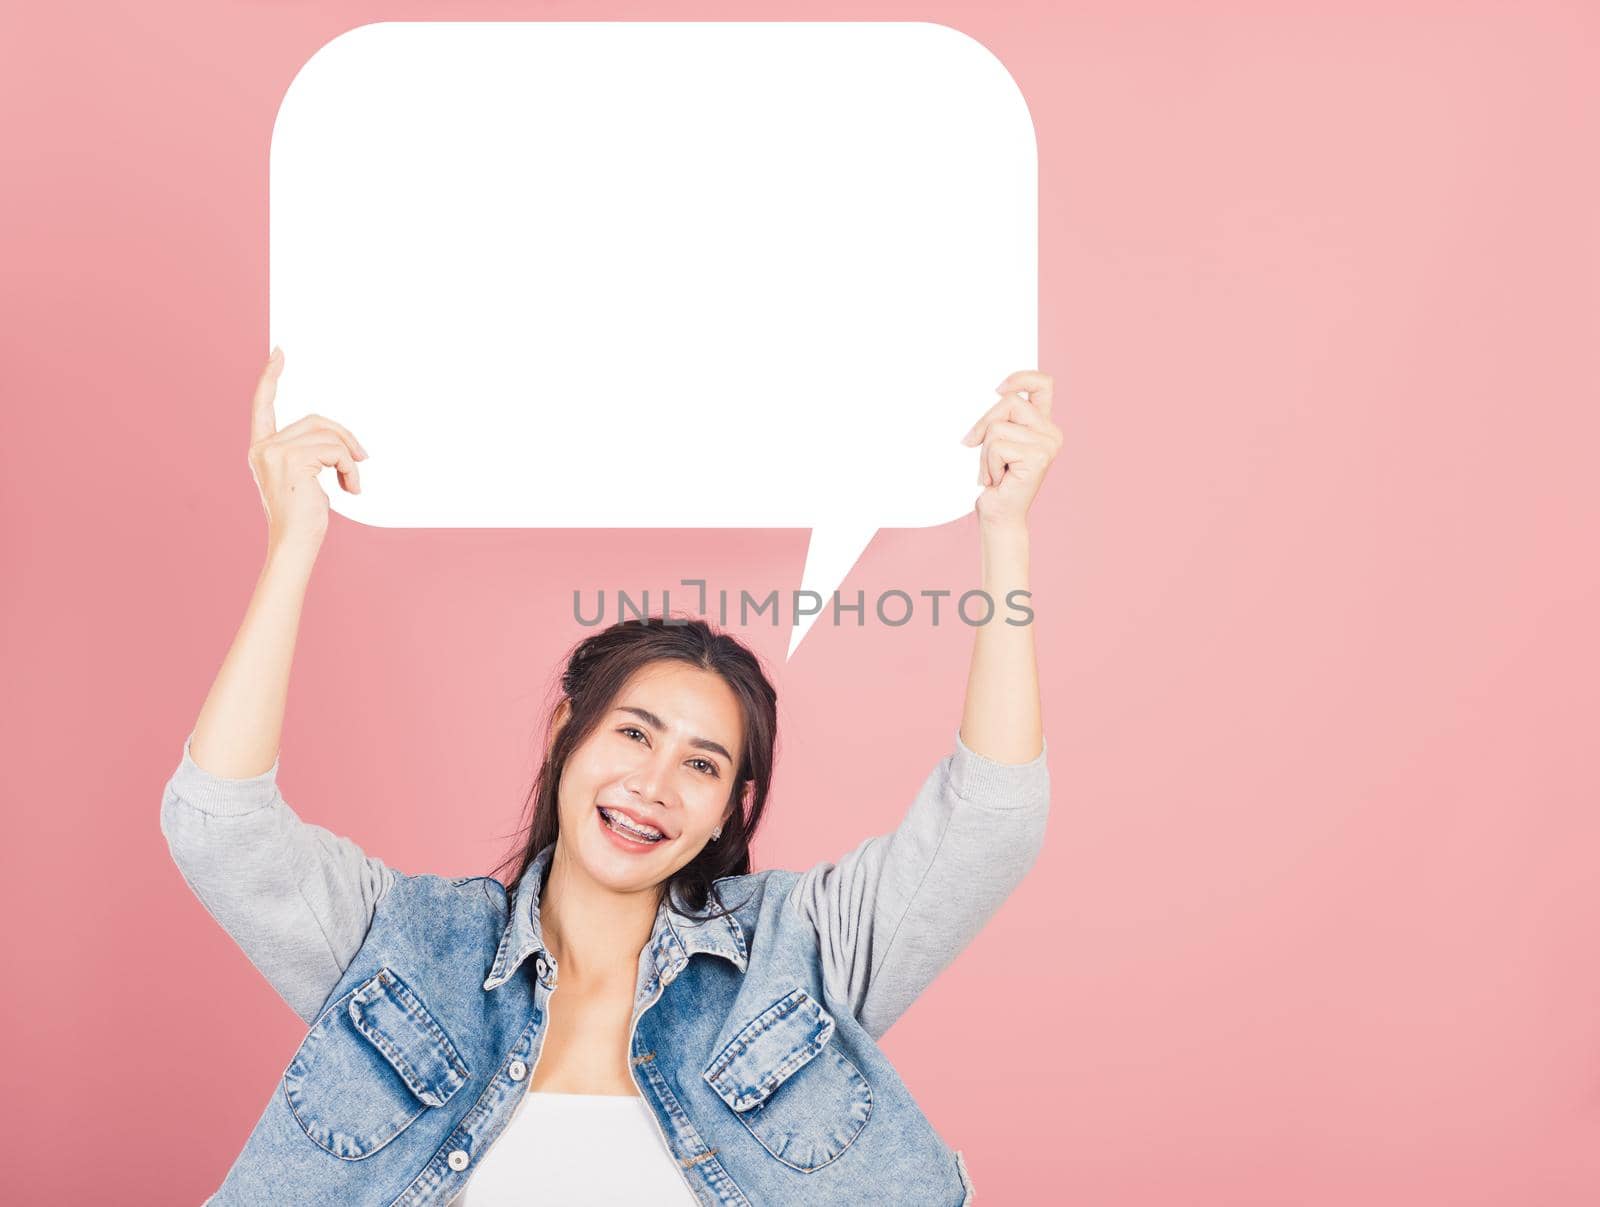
639, 1018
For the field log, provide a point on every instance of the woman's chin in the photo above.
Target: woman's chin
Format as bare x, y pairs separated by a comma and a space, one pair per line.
625, 869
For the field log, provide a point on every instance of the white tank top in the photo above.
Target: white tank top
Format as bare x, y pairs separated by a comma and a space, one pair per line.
579, 1150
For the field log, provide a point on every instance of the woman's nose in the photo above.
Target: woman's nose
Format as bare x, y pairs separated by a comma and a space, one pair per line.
651, 778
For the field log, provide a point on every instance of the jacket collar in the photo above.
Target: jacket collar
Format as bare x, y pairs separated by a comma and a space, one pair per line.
676, 936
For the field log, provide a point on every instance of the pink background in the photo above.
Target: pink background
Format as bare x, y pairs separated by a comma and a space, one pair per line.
1318, 918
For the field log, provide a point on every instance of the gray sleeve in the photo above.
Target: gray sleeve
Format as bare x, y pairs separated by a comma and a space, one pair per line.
896, 911
296, 898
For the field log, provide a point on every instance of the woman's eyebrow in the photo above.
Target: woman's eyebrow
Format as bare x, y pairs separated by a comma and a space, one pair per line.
650, 718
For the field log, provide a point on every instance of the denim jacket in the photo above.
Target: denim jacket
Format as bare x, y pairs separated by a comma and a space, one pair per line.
753, 1039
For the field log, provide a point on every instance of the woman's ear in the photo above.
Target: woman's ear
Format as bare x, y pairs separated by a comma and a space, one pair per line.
557, 722
747, 792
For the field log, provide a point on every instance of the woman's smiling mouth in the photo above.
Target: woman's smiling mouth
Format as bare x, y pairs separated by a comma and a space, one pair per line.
627, 831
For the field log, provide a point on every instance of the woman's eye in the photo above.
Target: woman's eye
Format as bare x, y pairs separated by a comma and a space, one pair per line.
710, 767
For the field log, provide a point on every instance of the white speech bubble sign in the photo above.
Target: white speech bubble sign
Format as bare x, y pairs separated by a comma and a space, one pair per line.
655, 274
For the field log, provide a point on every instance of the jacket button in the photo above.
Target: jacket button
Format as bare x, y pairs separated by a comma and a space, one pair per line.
516, 1070
458, 1160
541, 966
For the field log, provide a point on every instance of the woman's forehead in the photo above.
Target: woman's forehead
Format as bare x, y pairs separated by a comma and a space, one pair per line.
684, 697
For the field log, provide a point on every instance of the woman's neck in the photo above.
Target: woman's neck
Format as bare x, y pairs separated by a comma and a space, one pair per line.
593, 933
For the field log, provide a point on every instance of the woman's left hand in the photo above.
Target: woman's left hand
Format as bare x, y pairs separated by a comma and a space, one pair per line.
1019, 444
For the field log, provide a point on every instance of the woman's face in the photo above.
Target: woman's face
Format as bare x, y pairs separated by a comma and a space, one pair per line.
664, 759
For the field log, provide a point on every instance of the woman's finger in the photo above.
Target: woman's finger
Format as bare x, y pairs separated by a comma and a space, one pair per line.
312, 423
975, 433
263, 423
1016, 409
315, 449
1040, 387
1018, 435
1004, 429
998, 455
1030, 415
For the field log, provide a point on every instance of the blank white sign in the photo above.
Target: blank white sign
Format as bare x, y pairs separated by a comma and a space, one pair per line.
655, 274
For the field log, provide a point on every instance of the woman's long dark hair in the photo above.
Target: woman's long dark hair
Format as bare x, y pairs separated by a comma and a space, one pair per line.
596, 670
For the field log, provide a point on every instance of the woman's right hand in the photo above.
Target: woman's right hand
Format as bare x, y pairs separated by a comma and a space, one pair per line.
286, 465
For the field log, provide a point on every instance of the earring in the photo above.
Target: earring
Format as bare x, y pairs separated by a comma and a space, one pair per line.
716, 834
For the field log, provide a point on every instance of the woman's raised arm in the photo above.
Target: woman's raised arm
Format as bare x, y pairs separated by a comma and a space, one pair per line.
241, 722
296, 898
893, 913
1001, 716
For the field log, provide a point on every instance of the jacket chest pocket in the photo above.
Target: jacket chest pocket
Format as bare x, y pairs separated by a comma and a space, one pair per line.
373, 1062
802, 1099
